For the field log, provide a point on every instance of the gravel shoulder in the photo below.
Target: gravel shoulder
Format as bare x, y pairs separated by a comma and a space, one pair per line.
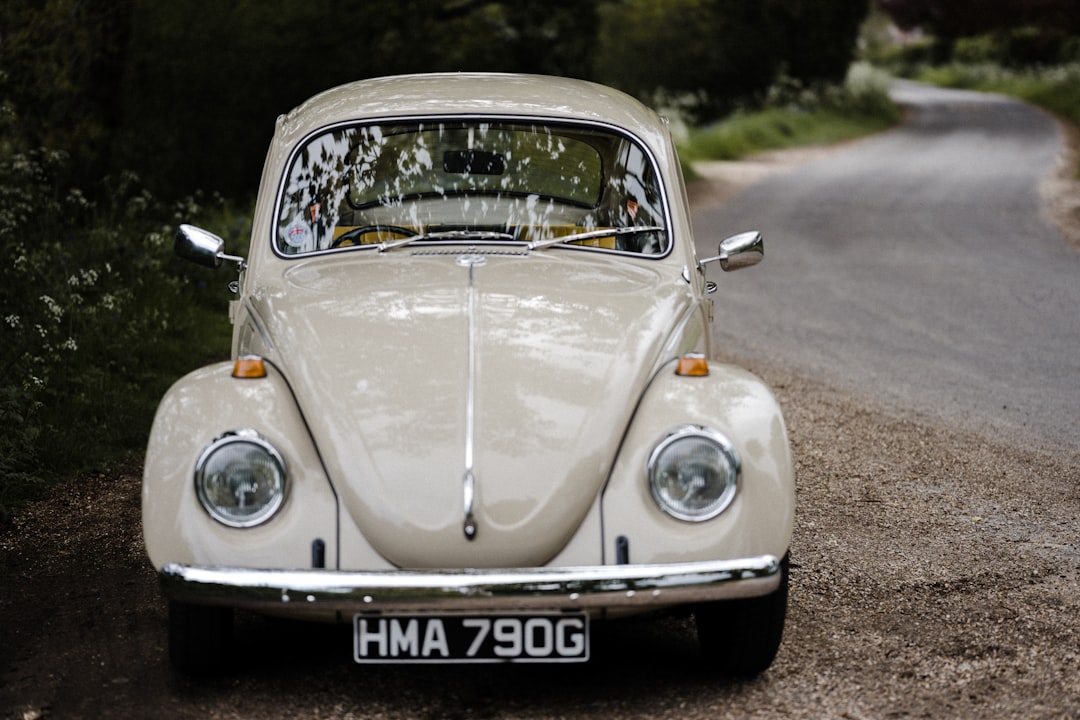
936, 574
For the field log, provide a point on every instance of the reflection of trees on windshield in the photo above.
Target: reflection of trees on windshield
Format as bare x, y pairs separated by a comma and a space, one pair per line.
530, 180
316, 188
481, 158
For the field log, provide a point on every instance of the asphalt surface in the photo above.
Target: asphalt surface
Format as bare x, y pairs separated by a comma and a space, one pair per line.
916, 268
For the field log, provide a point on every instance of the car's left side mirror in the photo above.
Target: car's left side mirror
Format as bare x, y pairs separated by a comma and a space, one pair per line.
202, 247
739, 251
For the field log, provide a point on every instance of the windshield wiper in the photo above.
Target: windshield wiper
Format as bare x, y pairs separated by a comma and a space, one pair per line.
591, 234
447, 235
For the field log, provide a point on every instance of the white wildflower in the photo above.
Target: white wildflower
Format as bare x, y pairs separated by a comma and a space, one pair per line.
53, 307
76, 197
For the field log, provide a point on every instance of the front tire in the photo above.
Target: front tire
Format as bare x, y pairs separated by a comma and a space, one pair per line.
741, 637
200, 638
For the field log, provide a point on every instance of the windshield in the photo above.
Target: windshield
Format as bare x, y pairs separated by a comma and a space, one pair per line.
378, 185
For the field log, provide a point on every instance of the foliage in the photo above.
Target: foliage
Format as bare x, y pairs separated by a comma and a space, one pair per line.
1014, 33
710, 50
965, 18
799, 115
170, 89
818, 37
59, 61
205, 81
722, 52
96, 320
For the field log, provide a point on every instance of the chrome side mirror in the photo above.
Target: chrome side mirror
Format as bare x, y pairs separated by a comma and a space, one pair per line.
739, 251
203, 248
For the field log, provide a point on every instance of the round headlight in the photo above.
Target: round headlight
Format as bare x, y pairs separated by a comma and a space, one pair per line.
693, 473
240, 479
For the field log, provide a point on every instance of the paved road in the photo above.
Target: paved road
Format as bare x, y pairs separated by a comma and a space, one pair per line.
916, 267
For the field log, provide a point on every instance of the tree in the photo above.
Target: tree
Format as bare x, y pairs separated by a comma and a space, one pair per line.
710, 52
185, 93
719, 53
206, 80
550, 37
818, 36
61, 62
960, 18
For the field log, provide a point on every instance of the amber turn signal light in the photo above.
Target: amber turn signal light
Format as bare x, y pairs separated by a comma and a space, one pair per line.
692, 365
249, 366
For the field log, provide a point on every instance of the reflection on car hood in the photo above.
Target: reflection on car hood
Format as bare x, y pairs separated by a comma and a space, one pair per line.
377, 350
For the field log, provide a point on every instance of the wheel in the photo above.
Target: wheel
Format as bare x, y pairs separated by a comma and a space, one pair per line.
200, 638
349, 237
741, 637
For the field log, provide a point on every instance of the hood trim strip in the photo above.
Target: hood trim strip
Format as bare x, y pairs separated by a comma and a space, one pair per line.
471, 261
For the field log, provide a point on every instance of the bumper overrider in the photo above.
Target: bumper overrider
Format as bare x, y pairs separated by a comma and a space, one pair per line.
569, 588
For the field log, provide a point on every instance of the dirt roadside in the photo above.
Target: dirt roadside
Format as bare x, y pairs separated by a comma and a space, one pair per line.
937, 574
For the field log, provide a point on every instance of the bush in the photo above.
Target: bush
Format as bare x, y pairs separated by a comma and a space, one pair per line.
909, 58
98, 318
980, 49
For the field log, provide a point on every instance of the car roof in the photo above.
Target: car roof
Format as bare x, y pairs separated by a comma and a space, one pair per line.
496, 94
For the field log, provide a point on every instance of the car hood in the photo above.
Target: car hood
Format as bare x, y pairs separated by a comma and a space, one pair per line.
410, 369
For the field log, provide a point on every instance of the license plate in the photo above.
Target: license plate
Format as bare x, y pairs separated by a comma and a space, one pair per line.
540, 638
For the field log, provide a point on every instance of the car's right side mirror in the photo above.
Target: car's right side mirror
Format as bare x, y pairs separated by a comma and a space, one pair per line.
742, 250
739, 251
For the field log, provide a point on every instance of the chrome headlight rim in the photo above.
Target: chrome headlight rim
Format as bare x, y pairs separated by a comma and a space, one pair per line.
726, 448
249, 437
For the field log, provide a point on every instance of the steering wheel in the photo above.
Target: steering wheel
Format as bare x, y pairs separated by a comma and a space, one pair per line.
357, 232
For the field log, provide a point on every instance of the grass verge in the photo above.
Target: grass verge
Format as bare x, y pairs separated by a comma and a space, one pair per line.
795, 116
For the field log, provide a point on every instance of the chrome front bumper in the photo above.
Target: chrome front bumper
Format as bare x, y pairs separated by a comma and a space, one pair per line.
572, 588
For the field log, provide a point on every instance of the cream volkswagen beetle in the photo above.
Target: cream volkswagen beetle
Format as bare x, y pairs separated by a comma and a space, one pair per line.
471, 408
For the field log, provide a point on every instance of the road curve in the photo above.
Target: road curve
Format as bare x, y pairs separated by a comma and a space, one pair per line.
915, 267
